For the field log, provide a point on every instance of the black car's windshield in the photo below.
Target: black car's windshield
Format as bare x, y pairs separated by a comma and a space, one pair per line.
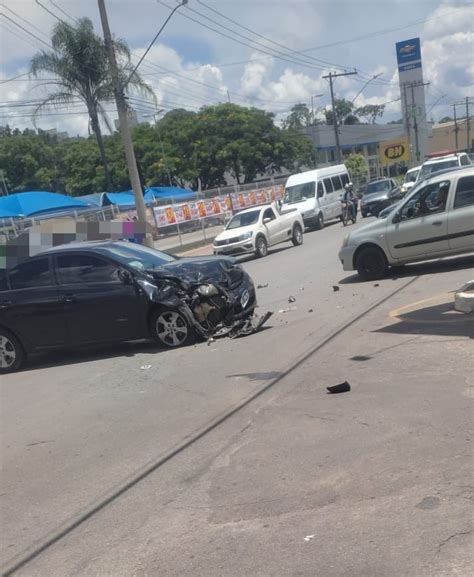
428, 169
244, 219
380, 186
137, 256
299, 192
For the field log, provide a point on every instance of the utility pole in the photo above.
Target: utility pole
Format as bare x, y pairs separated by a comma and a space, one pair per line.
456, 127
407, 121
468, 127
412, 86
124, 126
331, 76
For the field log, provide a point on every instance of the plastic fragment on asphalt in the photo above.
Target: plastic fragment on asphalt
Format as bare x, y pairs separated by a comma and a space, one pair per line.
309, 537
291, 299
376, 284
210, 341
289, 309
260, 286
341, 388
145, 367
335, 288
310, 310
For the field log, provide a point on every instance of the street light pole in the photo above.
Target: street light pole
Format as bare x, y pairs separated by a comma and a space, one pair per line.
312, 105
124, 125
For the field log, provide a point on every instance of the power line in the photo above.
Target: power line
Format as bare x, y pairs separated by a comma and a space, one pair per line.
25, 30
24, 20
237, 40
63, 11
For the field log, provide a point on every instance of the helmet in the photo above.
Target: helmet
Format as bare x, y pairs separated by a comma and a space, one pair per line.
349, 186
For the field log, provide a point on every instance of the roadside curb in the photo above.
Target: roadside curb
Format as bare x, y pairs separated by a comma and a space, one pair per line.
464, 298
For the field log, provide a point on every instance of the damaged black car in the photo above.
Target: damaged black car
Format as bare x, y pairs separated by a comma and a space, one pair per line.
87, 293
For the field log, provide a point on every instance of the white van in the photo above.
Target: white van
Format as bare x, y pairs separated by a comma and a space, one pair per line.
316, 194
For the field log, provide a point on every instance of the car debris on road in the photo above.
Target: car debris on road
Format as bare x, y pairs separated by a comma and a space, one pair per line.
291, 299
341, 388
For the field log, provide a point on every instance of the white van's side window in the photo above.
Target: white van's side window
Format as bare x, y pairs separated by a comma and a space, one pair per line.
344, 179
336, 183
320, 189
328, 185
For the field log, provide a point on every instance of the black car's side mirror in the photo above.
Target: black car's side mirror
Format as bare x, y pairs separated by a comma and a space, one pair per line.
125, 276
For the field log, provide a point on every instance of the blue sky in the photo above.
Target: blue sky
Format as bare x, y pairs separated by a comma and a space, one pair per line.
199, 62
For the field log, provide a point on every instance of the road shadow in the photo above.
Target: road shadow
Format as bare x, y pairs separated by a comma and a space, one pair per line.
440, 320
271, 251
65, 357
419, 269
266, 376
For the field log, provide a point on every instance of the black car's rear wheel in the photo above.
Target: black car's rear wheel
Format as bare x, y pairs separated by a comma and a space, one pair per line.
12, 355
171, 329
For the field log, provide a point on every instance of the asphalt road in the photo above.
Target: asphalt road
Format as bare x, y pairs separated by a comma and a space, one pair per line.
231, 459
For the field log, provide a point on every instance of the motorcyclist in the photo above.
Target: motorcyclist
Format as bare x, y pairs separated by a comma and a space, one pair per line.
349, 197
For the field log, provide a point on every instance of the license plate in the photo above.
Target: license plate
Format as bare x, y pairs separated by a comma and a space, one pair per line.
244, 299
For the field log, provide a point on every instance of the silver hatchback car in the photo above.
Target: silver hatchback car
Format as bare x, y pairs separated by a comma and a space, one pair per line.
435, 220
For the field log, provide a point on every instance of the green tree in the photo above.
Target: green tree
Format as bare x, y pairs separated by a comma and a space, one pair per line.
446, 119
79, 65
344, 111
371, 112
299, 117
357, 167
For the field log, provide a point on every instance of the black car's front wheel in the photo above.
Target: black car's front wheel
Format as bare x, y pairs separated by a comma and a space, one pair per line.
170, 328
12, 355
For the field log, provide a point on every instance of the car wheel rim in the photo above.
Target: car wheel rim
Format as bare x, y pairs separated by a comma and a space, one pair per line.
262, 247
7, 352
171, 328
298, 235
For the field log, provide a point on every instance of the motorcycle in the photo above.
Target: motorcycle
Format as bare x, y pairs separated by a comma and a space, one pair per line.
348, 212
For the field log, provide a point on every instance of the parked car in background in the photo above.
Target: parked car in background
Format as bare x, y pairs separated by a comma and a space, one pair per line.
410, 179
316, 194
103, 292
435, 220
378, 195
256, 229
442, 162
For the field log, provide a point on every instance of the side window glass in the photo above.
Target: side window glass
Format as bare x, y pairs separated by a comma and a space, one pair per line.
328, 185
464, 160
78, 269
320, 189
336, 183
269, 214
32, 274
4, 286
429, 200
344, 179
464, 192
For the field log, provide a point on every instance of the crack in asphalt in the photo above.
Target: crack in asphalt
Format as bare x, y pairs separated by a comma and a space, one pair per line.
454, 535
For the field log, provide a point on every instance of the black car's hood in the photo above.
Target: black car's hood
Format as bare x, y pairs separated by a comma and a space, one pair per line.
197, 269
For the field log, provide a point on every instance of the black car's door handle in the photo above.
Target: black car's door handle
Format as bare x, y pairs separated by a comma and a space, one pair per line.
69, 298
5, 304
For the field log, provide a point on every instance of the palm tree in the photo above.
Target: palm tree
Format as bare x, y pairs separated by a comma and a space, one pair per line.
79, 64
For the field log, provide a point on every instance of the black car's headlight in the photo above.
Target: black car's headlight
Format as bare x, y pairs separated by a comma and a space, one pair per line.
207, 290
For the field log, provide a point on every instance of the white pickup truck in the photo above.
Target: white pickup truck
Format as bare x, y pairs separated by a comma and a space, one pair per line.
256, 229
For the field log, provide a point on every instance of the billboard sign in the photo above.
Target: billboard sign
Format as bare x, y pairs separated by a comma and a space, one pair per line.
408, 54
393, 151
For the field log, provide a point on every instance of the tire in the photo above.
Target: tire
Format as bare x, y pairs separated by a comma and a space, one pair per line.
297, 238
261, 246
344, 217
12, 354
371, 263
363, 214
320, 221
171, 329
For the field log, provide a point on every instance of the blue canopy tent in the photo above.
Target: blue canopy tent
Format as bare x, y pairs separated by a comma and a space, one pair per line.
172, 192
26, 204
97, 198
126, 199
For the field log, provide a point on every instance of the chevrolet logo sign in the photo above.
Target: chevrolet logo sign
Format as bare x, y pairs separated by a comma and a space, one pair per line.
407, 48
